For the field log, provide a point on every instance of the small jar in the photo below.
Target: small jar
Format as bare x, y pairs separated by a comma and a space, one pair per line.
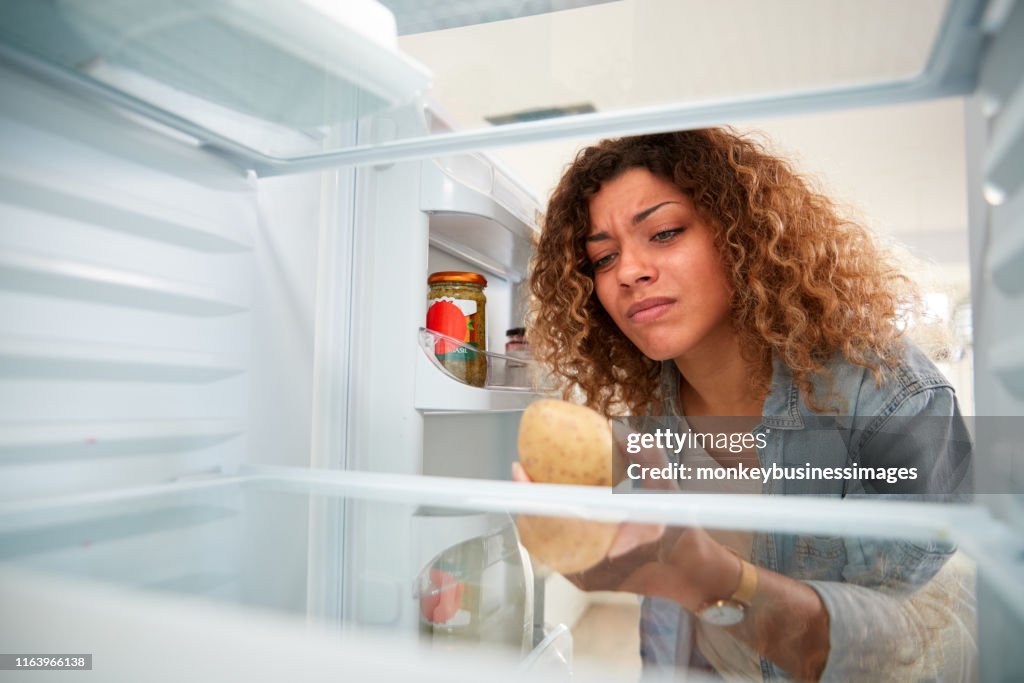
456, 308
516, 340
517, 374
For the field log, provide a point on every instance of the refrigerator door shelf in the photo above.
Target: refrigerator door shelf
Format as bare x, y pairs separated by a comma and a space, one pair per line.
479, 216
438, 390
271, 78
553, 655
485, 175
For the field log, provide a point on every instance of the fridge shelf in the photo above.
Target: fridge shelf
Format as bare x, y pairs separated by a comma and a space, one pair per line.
259, 562
35, 442
82, 536
270, 78
45, 359
439, 390
54, 276
76, 199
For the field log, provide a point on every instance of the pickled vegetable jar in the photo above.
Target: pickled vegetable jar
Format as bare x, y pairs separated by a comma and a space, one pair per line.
455, 308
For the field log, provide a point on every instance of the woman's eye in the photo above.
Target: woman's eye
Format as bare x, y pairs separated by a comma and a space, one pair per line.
666, 235
602, 262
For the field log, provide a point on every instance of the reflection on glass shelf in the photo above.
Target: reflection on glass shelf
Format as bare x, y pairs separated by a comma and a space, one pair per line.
876, 609
477, 590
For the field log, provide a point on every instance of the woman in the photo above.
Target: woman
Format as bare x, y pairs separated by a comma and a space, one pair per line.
692, 274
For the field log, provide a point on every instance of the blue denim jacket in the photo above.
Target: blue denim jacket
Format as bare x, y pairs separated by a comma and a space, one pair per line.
910, 420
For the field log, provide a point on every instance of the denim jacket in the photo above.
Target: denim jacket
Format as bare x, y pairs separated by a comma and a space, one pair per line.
910, 420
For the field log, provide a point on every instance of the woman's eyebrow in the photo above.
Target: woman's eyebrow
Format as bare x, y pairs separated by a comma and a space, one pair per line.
637, 219
647, 212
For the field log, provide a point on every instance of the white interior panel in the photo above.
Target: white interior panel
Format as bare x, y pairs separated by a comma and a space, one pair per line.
158, 304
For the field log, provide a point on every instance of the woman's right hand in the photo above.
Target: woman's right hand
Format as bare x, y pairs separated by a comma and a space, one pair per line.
681, 563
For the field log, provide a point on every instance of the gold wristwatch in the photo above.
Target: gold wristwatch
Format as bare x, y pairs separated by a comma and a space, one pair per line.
730, 611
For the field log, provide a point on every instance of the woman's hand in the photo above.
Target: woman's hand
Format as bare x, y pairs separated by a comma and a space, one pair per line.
683, 564
787, 623
630, 535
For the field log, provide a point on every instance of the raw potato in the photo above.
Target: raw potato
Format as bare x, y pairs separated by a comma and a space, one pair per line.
564, 544
563, 443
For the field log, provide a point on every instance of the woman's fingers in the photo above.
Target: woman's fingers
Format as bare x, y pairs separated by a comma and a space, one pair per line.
519, 474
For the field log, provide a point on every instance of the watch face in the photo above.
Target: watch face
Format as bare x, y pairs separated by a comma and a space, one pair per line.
722, 613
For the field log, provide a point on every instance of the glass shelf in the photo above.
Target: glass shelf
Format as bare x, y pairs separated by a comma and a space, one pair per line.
269, 83
275, 77
263, 544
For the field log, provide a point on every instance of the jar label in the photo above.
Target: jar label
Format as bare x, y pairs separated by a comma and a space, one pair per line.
453, 318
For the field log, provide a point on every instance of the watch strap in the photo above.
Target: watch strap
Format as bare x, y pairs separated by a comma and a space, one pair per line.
744, 594
732, 610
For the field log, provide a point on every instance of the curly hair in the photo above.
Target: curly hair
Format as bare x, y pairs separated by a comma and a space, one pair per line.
806, 282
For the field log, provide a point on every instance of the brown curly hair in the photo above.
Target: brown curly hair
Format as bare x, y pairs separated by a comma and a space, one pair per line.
806, 282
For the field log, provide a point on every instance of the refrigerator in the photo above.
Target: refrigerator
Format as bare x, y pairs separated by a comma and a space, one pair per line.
227, 447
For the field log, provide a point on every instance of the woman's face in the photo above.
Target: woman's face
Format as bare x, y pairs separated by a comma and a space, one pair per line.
656, 268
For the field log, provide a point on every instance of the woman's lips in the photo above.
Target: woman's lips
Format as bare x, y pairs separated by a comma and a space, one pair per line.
649, 309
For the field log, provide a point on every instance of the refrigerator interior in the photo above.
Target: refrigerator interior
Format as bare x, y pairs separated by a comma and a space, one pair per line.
240, 547
197, 290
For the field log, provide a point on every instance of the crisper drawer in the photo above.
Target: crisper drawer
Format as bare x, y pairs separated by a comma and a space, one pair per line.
429, 567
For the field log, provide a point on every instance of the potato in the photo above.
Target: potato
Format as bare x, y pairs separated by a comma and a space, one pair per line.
562, 443
564, 544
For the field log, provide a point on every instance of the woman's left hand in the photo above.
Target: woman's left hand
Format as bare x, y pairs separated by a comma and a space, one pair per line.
680, 563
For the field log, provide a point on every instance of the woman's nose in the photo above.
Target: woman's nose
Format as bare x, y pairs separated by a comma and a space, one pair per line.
634, 268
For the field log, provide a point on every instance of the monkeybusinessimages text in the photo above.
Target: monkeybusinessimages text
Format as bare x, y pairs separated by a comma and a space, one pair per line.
668, 441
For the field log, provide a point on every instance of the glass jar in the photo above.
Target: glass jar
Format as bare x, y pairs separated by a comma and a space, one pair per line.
455, 307
516, 340
516, 346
